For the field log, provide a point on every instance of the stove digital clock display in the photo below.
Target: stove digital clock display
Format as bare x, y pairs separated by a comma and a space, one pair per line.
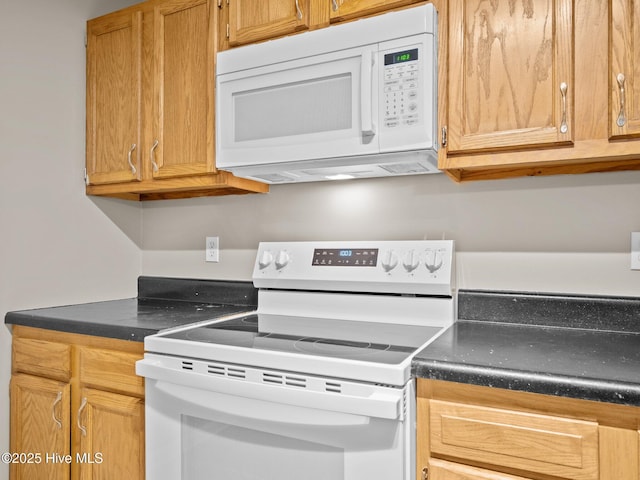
345, 257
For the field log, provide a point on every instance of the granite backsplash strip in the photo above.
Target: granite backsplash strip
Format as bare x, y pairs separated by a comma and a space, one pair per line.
197, 290
615, 314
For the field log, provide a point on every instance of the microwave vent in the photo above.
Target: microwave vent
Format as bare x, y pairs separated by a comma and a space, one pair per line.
405, 168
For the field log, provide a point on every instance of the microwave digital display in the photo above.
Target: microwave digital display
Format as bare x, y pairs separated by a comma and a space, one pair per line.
401, 57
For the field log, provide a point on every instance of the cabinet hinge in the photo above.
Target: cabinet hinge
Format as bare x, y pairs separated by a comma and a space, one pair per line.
228, 29
443, 140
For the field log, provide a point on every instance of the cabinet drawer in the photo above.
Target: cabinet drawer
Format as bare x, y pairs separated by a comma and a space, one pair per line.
441, 470
522, 441
110, 370
43, 358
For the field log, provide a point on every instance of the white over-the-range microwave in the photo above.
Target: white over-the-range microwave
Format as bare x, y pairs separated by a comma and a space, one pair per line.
348, 101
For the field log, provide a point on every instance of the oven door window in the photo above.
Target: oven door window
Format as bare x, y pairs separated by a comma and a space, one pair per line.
195, 434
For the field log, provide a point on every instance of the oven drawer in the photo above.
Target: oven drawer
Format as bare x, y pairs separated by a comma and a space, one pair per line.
514, 440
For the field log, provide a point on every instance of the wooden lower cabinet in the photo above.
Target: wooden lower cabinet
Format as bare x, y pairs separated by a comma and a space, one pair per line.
77, 407
467, 432
40, 409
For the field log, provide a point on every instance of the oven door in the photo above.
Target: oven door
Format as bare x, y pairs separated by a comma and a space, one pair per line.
245, 423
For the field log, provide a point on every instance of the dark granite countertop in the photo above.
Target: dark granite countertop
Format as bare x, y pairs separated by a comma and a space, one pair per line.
161, 303
572, 346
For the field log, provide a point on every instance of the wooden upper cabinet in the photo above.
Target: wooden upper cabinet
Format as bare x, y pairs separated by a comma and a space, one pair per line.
625, 68
114, 46
510, 72
347, 9
255, 20
181, 139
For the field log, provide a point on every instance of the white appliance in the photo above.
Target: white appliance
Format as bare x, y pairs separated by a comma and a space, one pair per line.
316, 384
348, 101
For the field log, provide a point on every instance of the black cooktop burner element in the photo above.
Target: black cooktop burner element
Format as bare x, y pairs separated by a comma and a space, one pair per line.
244, 333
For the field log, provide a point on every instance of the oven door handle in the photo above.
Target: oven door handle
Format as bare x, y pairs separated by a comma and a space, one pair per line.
378, 403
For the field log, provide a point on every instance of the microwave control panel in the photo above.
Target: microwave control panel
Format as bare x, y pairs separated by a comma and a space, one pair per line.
402, 88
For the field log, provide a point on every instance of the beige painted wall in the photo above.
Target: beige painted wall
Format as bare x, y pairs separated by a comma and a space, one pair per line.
56, 245
566, 234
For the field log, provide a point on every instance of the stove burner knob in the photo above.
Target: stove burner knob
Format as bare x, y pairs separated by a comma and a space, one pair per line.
389, 261
433, 261
411, 261
265, 259
282, 259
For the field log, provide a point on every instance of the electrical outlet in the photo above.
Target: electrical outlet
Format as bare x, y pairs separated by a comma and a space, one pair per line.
212, 249
635, 251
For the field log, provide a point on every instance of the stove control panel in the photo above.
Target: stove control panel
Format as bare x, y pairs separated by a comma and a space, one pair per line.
410, 267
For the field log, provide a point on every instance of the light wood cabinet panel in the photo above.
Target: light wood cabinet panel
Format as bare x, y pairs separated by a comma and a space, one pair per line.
41, 357
442, 470
114, 119
112, 439
617, 444
96, 417
625, 68
110, 370
150, 103
524, 441
468, 432
508, 64
255, 20
40, 426
347, 9
183, 85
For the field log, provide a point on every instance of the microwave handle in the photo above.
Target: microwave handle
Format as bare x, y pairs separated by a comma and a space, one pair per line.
367, 126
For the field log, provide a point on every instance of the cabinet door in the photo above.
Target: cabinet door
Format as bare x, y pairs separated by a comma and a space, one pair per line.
254, 20
345, 9
111, 431
114, 45
625, 68
40, 410
181, 141
510, 74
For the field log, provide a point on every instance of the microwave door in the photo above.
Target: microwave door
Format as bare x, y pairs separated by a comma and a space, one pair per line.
319, 107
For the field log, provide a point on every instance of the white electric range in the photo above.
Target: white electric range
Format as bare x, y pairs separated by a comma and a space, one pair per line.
318, 375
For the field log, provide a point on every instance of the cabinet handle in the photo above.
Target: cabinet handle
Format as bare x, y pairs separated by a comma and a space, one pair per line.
299, 10
621, 116
153, 157
53, 410
334, 5
564, 128
443, 141
133, 168
425, 473
79, 421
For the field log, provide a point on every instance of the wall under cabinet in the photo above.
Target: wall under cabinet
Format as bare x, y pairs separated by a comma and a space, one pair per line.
548, 234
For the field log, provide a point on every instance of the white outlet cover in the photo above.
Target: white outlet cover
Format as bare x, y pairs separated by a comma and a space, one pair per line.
635, 251
212, 249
